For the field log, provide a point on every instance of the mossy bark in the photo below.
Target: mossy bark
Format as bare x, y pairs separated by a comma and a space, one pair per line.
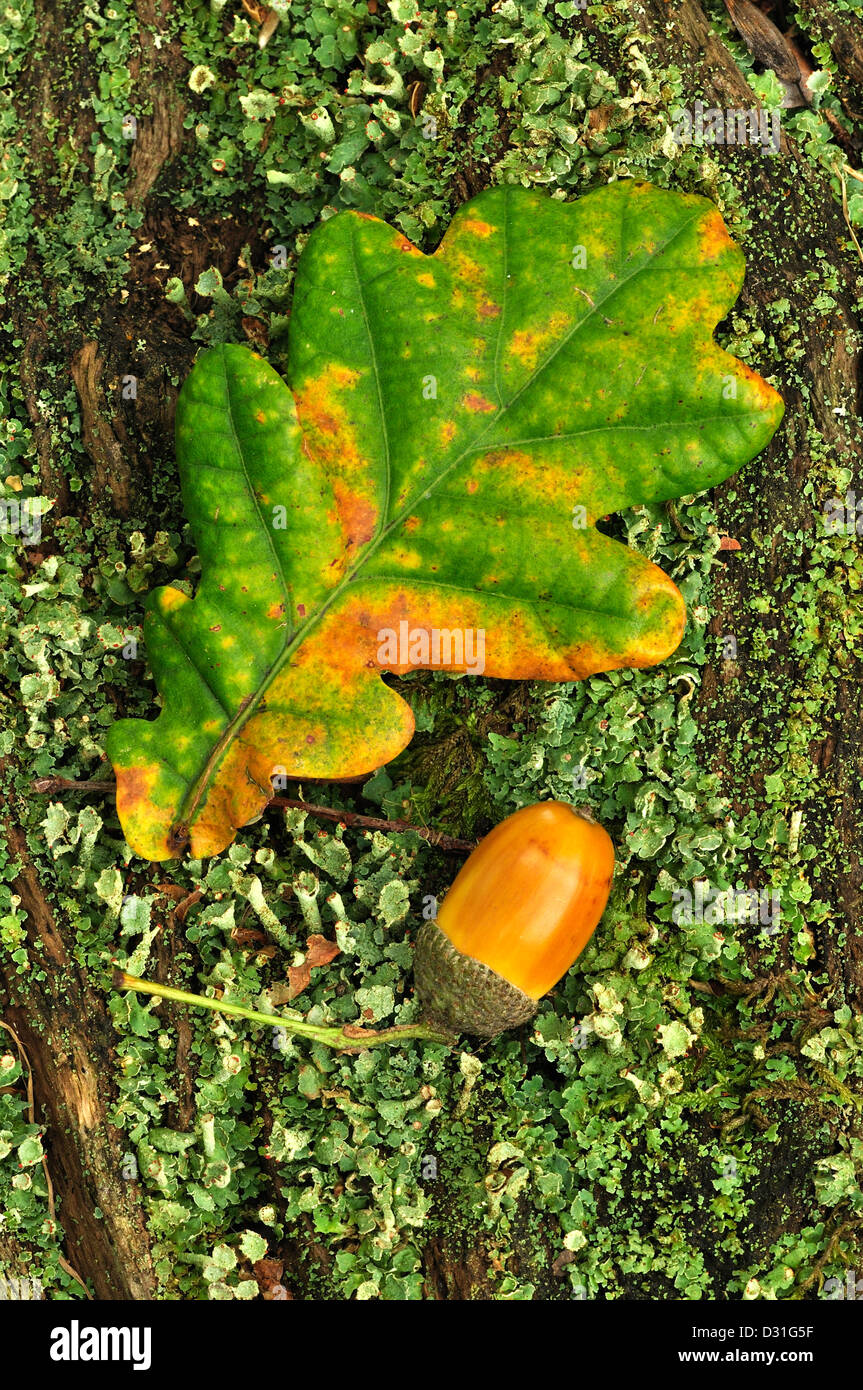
62, 1023
799, 223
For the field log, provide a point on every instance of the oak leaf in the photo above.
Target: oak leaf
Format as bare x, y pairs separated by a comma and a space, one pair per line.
451, 428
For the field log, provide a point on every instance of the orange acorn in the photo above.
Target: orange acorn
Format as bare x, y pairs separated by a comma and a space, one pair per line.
519, 913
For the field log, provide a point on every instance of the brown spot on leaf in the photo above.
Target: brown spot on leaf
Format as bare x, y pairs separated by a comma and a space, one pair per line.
713, 236
767, 398
330, 440
477, 227
527, 343
476, 403
357, 514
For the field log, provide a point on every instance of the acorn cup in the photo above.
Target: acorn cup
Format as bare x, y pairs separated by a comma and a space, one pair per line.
517, 916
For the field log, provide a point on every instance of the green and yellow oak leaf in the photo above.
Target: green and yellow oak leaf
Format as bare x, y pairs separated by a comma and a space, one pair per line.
445, 418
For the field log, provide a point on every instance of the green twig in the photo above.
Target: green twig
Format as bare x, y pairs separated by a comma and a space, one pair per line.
348, 1038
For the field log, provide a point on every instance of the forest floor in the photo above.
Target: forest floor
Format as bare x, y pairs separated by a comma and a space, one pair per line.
683, 1119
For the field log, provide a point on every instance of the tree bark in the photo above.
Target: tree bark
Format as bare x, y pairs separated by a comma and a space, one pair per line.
67, 1035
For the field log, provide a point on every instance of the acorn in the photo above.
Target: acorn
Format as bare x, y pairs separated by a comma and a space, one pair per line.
519, 913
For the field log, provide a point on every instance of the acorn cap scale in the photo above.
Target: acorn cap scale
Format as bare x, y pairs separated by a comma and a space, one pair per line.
462, 993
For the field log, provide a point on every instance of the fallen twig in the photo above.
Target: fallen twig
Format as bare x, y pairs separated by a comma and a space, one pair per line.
49, 785
353, 818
